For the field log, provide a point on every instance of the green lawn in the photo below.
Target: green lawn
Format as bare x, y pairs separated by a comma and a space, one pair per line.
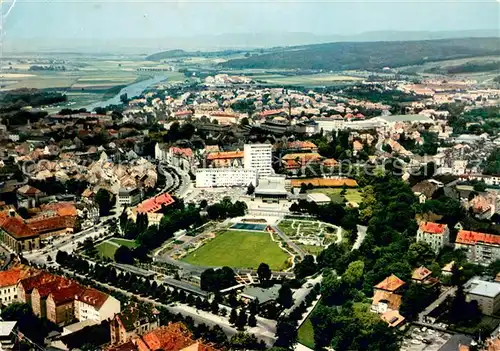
107, 249
239, 249
306, 334
352, 195
125, 242
311, 249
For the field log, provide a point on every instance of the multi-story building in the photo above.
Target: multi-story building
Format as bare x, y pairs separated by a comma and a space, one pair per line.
8, 283
129, 196
225, 177
435, 234
135, 320
95, 305
225, 159
258, 157
487, 294
18, 236
480, 247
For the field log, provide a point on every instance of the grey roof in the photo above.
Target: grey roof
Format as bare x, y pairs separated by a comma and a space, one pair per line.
261, 294
483, 288
7, 327
271, 185
455, 341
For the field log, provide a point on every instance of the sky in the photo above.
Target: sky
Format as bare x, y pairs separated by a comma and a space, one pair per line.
112, 19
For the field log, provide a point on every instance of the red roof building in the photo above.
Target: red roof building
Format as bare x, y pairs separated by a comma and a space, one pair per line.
155, 204
467, 237
391, 284
433, 228
436, 235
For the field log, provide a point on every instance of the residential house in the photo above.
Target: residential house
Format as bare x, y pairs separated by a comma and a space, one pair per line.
435, 234
426, 189
95, 305
28, 196
133, 321
8, 283
423, 275
387, 298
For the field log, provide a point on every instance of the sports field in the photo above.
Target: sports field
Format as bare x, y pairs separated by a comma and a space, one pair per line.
239, 249
108, 248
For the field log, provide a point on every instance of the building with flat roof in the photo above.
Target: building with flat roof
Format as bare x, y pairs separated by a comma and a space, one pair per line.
319, 198
487, 294
272, 188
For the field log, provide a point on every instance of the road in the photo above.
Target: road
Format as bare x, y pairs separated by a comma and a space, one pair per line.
361, 237
300, 294
436, 303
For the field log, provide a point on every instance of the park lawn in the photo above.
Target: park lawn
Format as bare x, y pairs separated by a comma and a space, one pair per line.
125, 242
106, 249
239, 249
306, 334
352, 195
312, 249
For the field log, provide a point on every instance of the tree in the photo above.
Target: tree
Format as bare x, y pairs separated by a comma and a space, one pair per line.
104, 200
264, 272
218, 279
250, 189
214, 307
124, 255
252, 321
420, 254
286, 333
285, 296
233, 316
354, 274
417, 298
306, 267
89, 248
241, 320
124, 98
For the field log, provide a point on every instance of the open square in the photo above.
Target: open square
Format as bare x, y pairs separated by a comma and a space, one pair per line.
240, 249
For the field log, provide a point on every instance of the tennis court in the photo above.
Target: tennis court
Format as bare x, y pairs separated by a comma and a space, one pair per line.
249, 226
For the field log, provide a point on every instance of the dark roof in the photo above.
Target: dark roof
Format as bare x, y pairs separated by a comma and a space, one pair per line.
455, 341
96, 335
132, 314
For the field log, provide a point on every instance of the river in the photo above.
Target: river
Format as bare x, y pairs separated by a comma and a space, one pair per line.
131, 90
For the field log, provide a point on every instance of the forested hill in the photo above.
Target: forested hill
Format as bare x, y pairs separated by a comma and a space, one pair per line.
173, 54
368, 55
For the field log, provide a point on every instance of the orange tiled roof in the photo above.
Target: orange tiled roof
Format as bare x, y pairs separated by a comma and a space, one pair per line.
17, 228
324, 182
271, 112
38, 280
155, 203
421, 273
433, 228
391, 283
468, 237
301, 145
62, 208
52, 223
224, 155
393, 300
13, 275
187, 152
303, 157
28, 190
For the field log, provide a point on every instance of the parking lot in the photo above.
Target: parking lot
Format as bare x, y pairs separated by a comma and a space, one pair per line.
424, 339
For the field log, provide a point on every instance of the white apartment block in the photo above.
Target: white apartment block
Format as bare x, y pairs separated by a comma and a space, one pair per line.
258, 157
435, 234
225, 177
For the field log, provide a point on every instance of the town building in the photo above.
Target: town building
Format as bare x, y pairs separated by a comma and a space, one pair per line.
225, 159
435, 234
480, 247
8, 283
258, 157
272, 188
155, 204
95, 305
28, 196
487, 294
129, 196
225, 177
133, 321
387, 298
18, 236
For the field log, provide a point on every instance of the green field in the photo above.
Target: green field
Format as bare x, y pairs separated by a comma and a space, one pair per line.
311, 249
239, 249
352, 195
107, 248
306, 334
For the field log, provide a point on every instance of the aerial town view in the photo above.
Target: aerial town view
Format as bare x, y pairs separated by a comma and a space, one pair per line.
213, 175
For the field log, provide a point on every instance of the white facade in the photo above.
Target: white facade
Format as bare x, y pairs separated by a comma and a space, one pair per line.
436, 240
8, 294
225, 177
160, 152
85, 311
258, 157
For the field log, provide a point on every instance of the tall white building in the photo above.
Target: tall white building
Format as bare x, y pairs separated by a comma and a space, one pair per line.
225, 177
258, 157
435, 234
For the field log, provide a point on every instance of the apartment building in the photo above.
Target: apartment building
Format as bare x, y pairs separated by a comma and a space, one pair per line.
8, 283
225, 177
487, 294
129, 196
435, 234
258, 157
480, 247
95, 305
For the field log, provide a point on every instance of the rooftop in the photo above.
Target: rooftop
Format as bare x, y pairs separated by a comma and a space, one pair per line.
155, 204
468, 237
433, 228
391, 283
480, 287
17, 228
224, 155
93, 297
421, 273
261, 294
325, 182
318, 197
